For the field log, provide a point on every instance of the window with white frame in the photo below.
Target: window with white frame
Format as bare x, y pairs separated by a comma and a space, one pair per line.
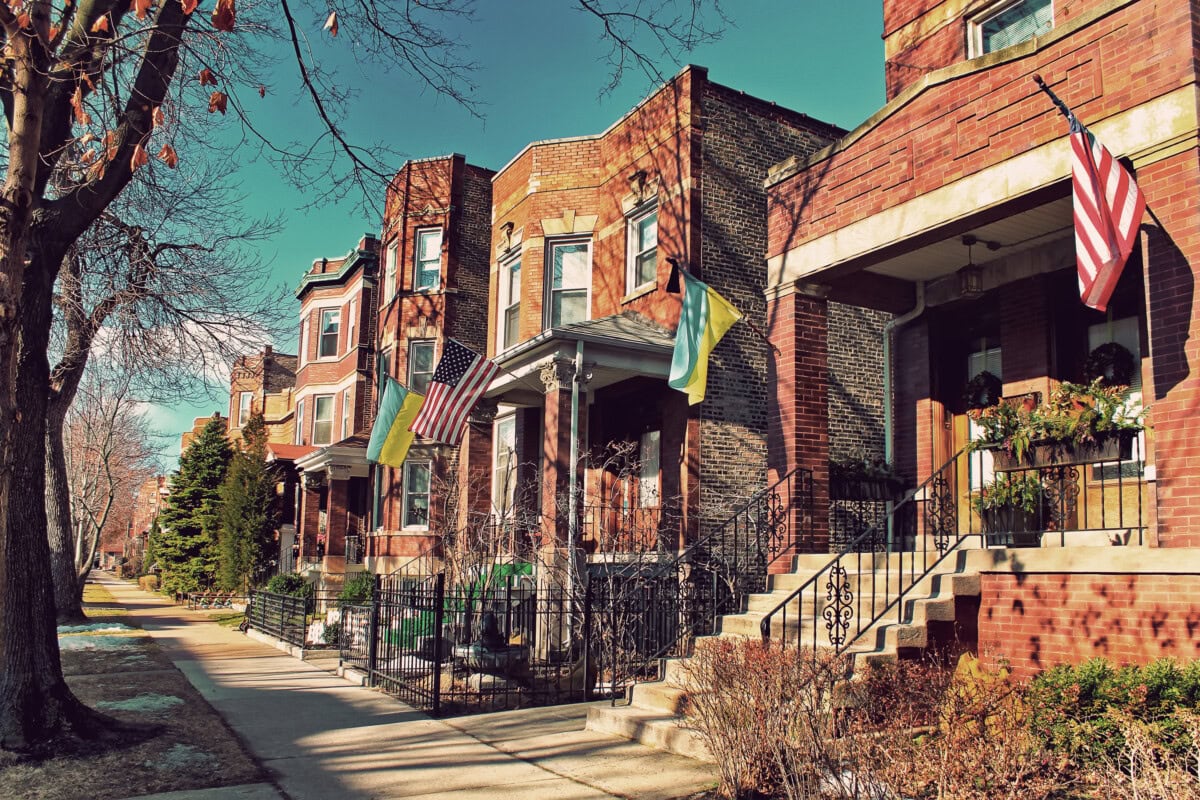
415, 506
420, 365
641, 262
648, 469
390, 260
569, 265
346, 405
427, 269
322, 419
1125, 332
352, 324
300, 422
303, 340
1008, 23
504, 466
985, 358
510, 301
245, 408
331, 322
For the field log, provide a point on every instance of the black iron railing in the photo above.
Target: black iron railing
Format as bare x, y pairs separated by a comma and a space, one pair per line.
653, 608
285, 617
1099, 499
354, 549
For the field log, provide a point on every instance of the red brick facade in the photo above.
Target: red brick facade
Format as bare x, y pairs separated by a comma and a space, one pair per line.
1036, 621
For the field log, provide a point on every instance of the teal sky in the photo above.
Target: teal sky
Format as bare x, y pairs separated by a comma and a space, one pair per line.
541, 71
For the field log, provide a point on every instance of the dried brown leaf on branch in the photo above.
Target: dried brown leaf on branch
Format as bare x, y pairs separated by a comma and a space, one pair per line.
81, 116
140, 7
157, 117
218, 102
223, 15
262, 90
140, 157
207, 78
189, 5
168, 156
331, 24
100, 25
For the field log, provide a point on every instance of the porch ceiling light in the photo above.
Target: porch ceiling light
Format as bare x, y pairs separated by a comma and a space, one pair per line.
970, 277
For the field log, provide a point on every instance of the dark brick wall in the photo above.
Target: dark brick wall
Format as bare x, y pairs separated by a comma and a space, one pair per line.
855, 381
742, 137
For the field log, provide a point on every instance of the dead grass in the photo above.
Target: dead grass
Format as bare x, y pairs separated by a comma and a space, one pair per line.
125, 675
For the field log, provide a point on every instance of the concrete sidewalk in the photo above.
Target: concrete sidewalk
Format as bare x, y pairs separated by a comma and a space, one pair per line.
323, 738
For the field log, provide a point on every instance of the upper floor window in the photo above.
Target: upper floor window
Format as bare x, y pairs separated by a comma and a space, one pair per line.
390, 259
1008, 23
245, 404
420, 365
322, 419
303, 341
642, 257
570, 275
352, 324
415, 507
427, 271
331, 321
346, 414
300, 422
510, 302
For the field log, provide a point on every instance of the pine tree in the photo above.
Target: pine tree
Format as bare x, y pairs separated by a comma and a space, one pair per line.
247, 518
148, 555
186, 548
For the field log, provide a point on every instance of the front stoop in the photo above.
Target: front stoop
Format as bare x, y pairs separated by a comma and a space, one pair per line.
654, 714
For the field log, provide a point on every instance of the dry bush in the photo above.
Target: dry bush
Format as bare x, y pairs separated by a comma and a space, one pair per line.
766, 714
1152, 765
928, 732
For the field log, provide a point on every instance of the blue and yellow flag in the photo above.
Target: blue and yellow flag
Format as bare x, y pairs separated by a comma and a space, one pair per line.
705, 318
390, 436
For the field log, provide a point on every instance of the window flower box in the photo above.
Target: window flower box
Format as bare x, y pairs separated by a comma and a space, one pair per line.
1116, 446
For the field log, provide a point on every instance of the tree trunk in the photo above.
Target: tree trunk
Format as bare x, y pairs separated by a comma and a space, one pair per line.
58, 519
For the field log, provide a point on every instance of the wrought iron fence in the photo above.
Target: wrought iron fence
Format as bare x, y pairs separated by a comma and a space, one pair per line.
977, 498
472, 648
615, 528
286, 617
354, 549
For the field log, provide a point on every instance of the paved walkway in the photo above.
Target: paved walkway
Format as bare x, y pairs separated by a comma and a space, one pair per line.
324, 738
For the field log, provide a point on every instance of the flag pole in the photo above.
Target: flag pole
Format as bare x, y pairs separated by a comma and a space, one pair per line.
1066, 112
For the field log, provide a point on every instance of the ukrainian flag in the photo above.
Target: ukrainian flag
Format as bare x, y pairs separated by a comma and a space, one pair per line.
390, 436
706, 317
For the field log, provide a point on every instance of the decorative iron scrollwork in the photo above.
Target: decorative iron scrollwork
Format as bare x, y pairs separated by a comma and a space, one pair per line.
838, 611
941, 512
1060, 487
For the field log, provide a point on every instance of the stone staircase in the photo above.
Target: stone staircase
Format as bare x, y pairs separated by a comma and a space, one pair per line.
653, 716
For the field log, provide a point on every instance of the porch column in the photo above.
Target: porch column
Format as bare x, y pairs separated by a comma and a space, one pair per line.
310, 515
475, 466
798, 425
556, 448
336, 504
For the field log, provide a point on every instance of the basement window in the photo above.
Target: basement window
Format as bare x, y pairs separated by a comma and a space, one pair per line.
1007, 24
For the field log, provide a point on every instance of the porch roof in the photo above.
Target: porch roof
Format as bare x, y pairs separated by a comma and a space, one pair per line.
344, 459
615, 348
288, 452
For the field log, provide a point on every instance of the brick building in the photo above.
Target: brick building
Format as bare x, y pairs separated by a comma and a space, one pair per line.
969, 150
198, 425
264, 383
325, 463
147, 501
581, 236
433, 286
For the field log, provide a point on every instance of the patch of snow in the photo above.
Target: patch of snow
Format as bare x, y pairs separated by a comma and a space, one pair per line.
87, 642
94, 627
182, 756
143, 702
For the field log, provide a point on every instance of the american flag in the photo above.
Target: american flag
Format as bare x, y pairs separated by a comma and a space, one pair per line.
459, 380
1108, 212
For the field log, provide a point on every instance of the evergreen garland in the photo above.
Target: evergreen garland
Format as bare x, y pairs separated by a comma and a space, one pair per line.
186, 548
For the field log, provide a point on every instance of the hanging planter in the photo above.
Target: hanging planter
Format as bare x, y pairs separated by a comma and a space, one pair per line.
1115, 446
982, 391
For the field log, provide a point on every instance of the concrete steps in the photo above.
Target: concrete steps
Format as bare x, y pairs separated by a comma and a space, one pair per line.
654, 714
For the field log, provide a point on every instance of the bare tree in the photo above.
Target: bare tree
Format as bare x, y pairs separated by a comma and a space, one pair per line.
108, 455
91, 90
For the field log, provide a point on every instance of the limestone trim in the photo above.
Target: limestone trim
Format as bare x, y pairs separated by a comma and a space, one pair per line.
1147, 133
569, 223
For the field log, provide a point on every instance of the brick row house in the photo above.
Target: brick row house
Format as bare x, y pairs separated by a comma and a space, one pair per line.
326, 497
952, 207
264, 383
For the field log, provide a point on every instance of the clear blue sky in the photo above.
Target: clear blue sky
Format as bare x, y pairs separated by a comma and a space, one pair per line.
541, 69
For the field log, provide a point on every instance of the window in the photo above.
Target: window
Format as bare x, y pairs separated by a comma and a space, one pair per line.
570, 267
416, 494
642, 260
420, 365
351, 324
985, 358
331, 320
300, 422
1008, 24
304, 340
648, 462
389, 275
322, 419
346, 414
510, 302
504, 468
428, 268
245, 408
1124, 332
